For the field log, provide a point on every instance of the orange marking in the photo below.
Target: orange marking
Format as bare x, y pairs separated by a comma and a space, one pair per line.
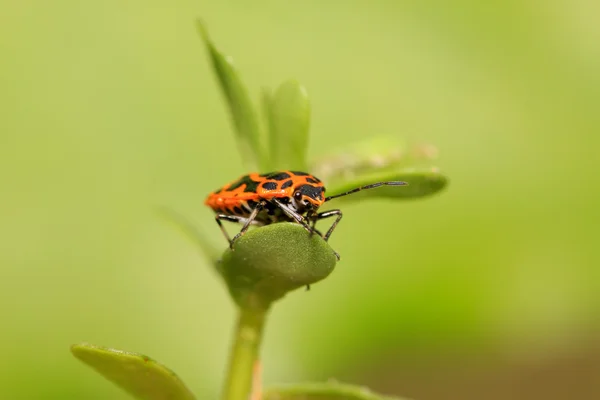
256, 393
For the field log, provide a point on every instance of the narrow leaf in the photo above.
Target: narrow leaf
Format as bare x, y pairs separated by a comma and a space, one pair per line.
266, 101
242, 111
289, 118
323, 391
137, 374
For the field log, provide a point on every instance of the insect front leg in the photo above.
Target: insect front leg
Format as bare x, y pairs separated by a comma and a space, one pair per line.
292, 214
310, 217
327, 214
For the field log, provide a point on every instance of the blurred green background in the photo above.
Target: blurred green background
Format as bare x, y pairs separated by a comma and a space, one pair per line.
489, 290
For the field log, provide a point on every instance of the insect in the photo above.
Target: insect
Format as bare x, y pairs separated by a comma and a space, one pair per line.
263, 199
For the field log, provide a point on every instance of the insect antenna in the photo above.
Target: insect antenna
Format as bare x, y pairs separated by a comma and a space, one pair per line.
371, 186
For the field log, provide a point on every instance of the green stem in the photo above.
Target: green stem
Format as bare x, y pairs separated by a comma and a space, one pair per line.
244, 354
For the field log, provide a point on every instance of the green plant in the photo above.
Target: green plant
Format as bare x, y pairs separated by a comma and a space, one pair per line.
269, 262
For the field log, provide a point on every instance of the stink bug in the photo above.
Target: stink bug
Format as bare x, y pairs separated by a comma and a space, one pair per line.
262, 199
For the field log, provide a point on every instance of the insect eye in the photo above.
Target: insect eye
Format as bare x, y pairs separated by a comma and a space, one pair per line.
298, 196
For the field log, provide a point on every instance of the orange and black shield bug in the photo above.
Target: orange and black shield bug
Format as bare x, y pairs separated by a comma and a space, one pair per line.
262, 199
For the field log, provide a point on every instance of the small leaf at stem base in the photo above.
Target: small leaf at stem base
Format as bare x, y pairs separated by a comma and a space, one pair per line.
323, 391
137, 374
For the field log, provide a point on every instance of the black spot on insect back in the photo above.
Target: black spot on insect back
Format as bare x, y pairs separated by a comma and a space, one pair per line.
299, 173
238, 183
287, 184
250, 186
314, 192
312, 180
278, 176
269, 185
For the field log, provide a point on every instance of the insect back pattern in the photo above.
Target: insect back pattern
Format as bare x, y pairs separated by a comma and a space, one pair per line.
262, 199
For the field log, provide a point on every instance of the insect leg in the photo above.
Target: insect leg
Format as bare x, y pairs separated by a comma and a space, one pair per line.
314, 230
311, 217
323, 215
327, 214
251, 219
300, 219
292, 214
231, 218
311, 223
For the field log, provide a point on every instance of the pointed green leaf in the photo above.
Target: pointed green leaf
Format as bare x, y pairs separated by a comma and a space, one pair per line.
323, 391
381, 159
241, 108
421, 183
266, 101
289, 117
137, 374
272, 260
371, 156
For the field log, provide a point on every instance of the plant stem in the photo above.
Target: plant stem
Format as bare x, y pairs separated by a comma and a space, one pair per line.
244, 353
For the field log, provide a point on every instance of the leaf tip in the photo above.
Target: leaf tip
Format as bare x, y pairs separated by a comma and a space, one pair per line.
77, 348
201, 28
